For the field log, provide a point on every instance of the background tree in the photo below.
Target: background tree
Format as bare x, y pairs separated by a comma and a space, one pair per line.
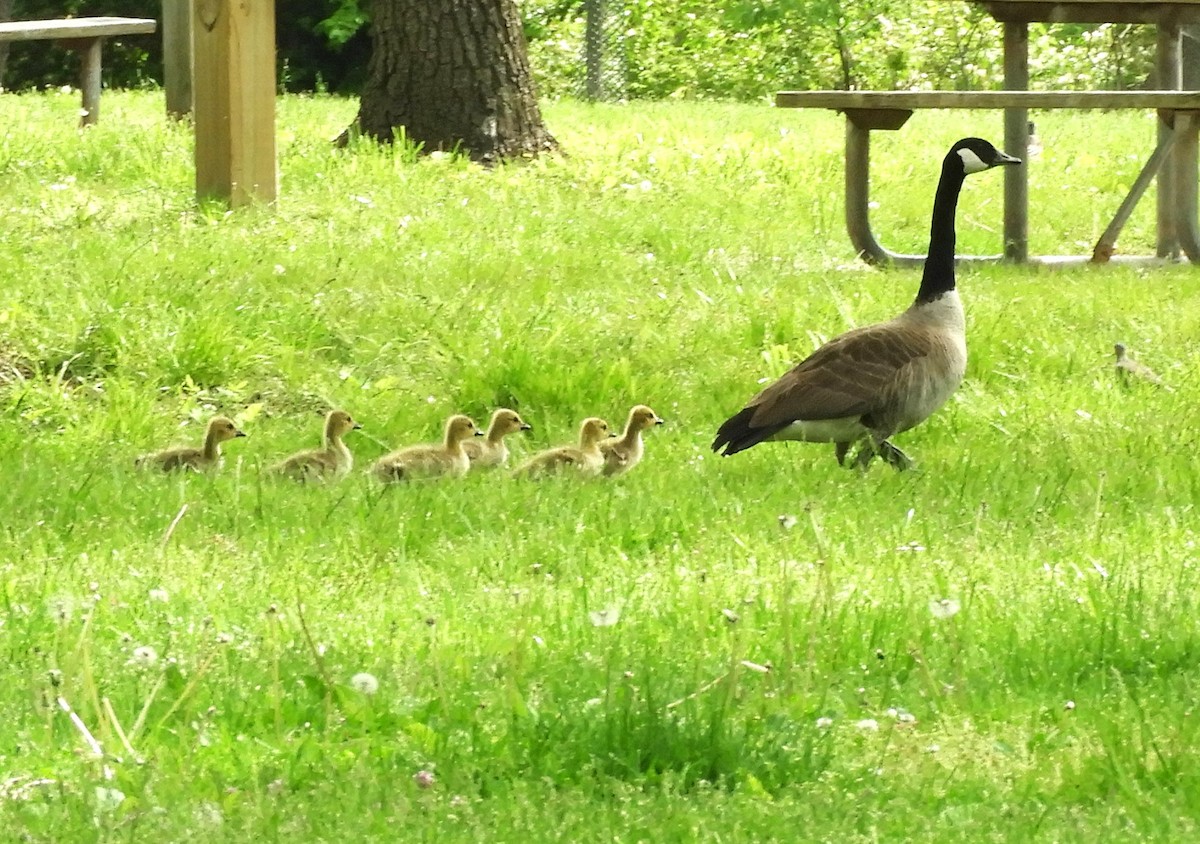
452, 74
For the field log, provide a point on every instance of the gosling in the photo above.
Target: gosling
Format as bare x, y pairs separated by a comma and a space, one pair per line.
331, 462
623, 453
445, 459
1129, 369
491, 451
204, 459
585, 458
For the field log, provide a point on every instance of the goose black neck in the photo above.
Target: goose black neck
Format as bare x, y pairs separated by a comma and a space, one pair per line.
938, 277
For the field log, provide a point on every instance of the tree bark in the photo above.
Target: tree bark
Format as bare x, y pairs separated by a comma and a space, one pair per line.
5, 15
452, 74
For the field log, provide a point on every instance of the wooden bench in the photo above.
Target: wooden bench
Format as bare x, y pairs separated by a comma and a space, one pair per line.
86, 36
1179, 113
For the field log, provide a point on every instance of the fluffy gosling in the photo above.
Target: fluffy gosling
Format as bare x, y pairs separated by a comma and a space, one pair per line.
204, 459
491, 451
623, 453
444, 459
330, 462
585, 458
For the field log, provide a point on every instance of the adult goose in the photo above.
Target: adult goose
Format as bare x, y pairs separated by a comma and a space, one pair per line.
871, 383
330, 462
432, 460
204, 459
491, 450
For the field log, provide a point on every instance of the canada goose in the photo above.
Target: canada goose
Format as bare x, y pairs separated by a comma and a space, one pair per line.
330, 462
433, 460
624, 452
201, 459
879, 380
1128, 368
584, 458
491, 451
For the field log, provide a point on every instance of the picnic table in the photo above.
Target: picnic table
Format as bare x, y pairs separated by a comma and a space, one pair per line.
1173, 159
85, 35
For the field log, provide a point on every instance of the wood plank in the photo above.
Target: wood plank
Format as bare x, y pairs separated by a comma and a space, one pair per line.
841, 100
1091, 11
75, 28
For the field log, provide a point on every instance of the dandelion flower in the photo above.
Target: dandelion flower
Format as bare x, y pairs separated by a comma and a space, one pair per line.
366, 683
944, 608
144, 656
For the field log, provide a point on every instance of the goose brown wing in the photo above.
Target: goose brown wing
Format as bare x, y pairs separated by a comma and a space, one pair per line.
849, 376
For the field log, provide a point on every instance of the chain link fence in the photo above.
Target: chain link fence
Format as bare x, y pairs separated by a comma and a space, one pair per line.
606, 68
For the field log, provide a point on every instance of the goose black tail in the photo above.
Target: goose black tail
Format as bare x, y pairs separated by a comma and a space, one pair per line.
737, 434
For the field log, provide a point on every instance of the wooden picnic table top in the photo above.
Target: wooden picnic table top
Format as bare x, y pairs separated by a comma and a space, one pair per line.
1092, 11
840, 100
75, 28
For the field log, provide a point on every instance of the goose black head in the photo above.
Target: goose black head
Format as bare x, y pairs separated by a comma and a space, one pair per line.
974, 155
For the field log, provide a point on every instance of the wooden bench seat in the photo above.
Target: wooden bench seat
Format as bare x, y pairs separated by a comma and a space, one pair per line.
85, 35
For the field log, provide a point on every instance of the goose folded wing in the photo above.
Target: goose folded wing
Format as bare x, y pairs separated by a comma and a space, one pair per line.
848, 377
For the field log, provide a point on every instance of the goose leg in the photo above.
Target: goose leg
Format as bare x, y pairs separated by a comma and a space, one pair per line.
839, 451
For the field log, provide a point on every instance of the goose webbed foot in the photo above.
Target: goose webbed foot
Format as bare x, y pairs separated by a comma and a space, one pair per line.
894, 456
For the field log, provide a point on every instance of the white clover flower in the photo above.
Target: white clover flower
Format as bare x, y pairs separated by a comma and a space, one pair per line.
868, 724
824, 723
943, 608
366, 683
159, 595
144, 656
906, 718
424, 779
606, 617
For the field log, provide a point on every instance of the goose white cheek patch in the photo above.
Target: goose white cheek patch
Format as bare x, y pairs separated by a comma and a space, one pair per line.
971, 162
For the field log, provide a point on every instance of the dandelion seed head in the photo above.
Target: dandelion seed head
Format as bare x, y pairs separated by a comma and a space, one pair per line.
144, 656
606, 617
943, 608
365, 683
159, 595
824, 723
868, 725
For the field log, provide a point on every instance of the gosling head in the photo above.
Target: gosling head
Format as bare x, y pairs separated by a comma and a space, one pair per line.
221, 428
1119, 348
339, 423
974, 155
592, 431
642, 418
505, 421
459, 428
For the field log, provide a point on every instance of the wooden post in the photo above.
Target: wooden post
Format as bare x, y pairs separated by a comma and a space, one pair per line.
1016, 141
177, 56
1170, 78
89, 79
234, 42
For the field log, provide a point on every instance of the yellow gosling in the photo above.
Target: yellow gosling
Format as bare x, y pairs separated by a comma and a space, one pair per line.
203, 459
625, 452
491, 451
444, 459
330, 462
584, 458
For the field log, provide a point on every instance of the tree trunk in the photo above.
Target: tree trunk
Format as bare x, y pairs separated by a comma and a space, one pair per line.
5, 15
452, 74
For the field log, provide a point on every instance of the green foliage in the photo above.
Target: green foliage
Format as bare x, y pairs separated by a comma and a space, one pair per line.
657, 658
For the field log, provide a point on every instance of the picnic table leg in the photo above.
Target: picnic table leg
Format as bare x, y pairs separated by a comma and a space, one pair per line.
1162, 153
89, 80
1016, 142
1170, 78
858, 190
1186, 159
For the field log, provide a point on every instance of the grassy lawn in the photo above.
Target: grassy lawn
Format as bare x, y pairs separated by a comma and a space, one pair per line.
999, 646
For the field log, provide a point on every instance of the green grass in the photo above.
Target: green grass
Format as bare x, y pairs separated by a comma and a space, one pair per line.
679, 254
